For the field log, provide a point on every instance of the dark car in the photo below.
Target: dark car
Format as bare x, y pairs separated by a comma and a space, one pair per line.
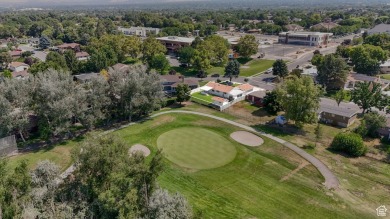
215, 75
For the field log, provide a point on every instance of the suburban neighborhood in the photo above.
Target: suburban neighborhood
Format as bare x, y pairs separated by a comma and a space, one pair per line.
189, 109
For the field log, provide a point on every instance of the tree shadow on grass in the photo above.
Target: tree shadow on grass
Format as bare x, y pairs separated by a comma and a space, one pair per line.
280, 131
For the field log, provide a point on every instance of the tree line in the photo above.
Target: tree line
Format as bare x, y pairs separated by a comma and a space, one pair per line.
107, 183
56, 102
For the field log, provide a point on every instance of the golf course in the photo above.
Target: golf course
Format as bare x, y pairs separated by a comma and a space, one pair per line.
222, 178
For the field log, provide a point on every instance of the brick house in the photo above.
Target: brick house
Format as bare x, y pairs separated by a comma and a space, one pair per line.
342, 116
256, 98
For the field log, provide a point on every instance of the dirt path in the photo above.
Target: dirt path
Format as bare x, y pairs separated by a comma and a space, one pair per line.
286, 177
331, 181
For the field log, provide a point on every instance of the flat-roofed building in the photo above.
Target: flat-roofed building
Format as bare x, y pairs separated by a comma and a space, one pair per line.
305, 38
174, 43
139, 31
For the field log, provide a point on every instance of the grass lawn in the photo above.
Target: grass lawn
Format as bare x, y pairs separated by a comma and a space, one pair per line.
385, 76
205, 98
216, 70
258, 183
185, 148
256, 66
59, 154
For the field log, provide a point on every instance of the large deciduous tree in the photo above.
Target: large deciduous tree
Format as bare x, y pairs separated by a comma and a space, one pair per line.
183, 93
367, 58
367, 95
247, 46
152, 47
159, 63
279, 68
300, 99
232, 69
332, 72
186, 54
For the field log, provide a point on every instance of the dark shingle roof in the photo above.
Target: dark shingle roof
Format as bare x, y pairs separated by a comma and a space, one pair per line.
345, 109
380, 28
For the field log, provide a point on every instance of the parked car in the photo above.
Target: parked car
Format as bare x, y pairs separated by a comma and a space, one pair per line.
215, 75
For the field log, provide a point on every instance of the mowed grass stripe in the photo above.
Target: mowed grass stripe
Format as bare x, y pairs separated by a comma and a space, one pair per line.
196, 148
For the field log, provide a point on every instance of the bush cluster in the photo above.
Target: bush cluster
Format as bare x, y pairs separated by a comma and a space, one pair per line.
349, 143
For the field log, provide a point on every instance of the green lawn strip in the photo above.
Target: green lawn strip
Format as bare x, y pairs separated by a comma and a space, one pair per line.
202, 99
255, 67
385, 76
216, 70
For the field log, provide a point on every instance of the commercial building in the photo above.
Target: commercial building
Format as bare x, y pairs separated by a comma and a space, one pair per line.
139, 31
174, 43
305, 38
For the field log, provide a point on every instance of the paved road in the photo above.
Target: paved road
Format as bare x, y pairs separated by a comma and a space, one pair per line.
331, 181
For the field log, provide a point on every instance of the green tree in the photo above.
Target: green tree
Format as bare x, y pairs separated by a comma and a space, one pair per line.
201, 60
152, 47
56, 61
7, 73
367, 95
5, 59
317, 59
374, 122
159, 63
318, 132
183, 93
218, 48
296, 72
232, 69
71, 61
340, 96
332, 72
349, 143
279, 68
367, 58
271, 103
300, 99
186, 54
247, 46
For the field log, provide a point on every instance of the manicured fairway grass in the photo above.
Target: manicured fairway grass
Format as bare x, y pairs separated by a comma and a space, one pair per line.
196, 148
257, 184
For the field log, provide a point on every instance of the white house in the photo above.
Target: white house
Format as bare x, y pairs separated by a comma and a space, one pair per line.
227, 92
18, 66
219, 101
385, 67
82, 56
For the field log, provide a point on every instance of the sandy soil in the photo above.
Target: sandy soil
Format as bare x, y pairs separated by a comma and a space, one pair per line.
247, 138
139, 148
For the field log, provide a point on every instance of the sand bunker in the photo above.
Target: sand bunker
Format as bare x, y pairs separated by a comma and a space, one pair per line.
139, 148
247, 138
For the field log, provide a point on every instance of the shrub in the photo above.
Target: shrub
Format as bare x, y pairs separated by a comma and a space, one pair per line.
246, 79
361, 129
218, 80
350, 143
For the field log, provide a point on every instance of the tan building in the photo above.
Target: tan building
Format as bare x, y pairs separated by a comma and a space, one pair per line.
342, 115
174, 43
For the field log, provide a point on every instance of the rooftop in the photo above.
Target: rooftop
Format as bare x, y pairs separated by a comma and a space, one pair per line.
380, 28
69, 45
177, 39
17, 64
81, 54
220, 87
245, 87
304, 33
219, 99
20, 74
345, 109
259, 94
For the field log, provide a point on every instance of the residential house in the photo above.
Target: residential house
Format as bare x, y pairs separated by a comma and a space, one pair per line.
294, 27
385, 67
121, 67
170, 82
174, 43
226, 91
324, 26
33, 41
219, 101
355, 78
69, 46
18, 66
342, 115
231, 27
82, 56
15, 54
85, 77
139, 31
256, 97
20, 75
380, 28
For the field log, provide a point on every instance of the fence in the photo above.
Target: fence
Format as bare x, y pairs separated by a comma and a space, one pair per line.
8, 145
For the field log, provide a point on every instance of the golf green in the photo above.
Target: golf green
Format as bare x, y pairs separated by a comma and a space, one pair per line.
196, 148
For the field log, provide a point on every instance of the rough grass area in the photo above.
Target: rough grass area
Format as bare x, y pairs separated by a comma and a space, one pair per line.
332, 94
196, 148
59, 154
385, 76
258, 183
255, 67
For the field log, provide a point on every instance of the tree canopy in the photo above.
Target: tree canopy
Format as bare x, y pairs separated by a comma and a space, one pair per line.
332, 72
